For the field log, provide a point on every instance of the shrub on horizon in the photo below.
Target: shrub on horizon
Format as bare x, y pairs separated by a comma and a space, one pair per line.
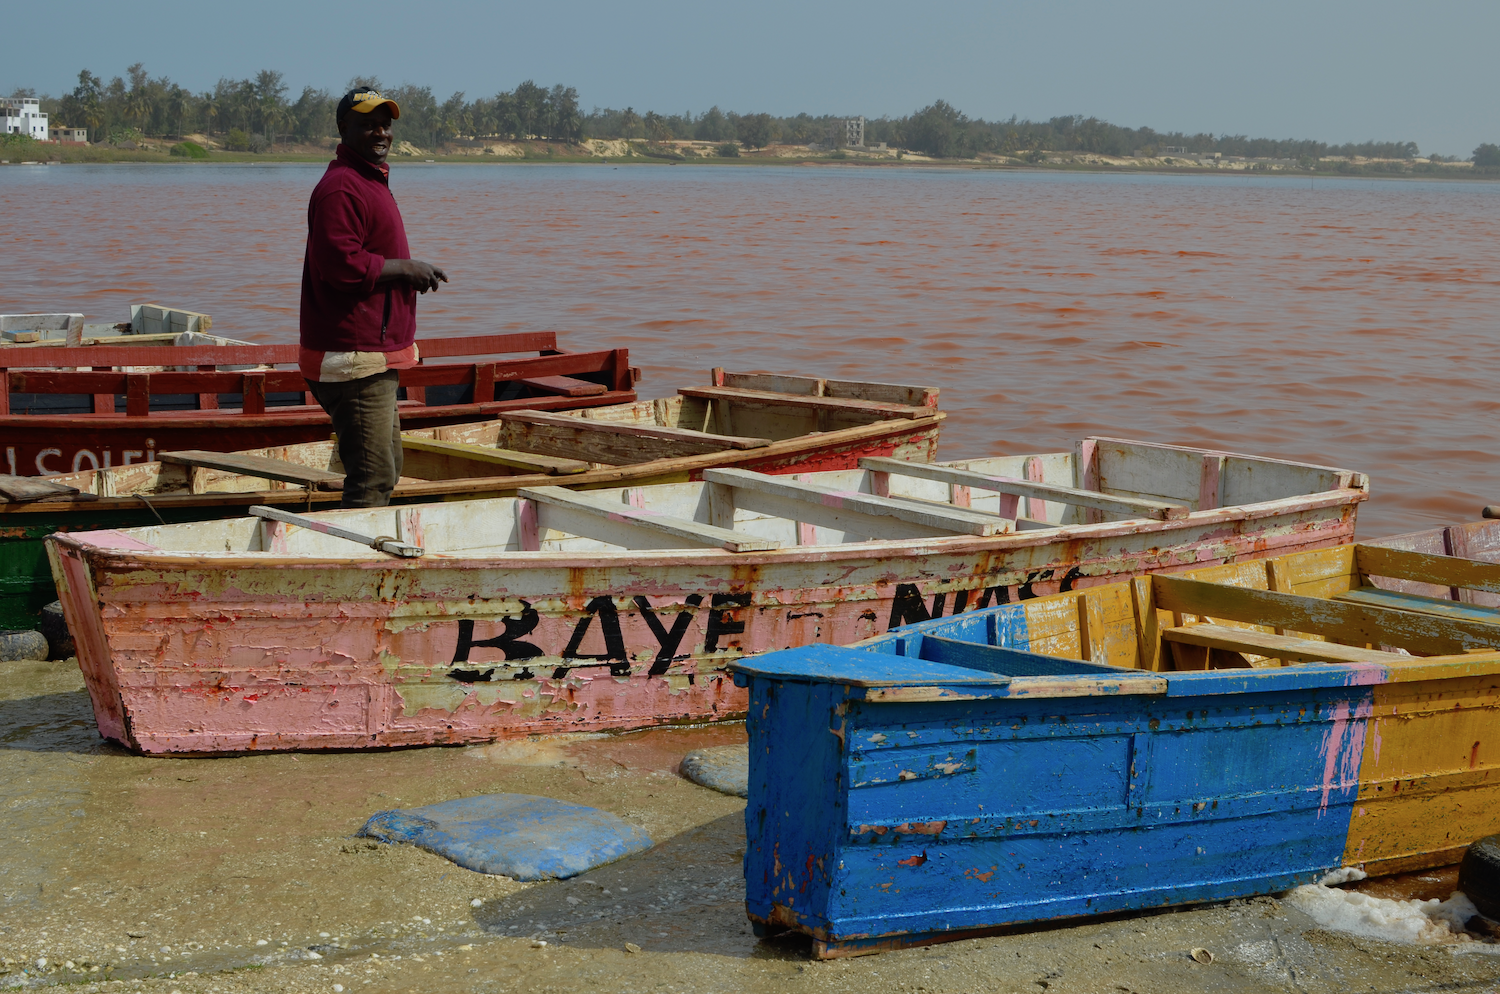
728, 150
189, 150
237, 141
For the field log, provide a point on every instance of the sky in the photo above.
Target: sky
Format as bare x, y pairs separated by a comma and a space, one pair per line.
1329, 70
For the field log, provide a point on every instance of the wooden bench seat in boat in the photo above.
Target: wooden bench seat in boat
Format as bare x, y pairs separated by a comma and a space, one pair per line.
1438, 606
1133, 507
604, 519
257, 466
26, 489
1353, 624
564, 386
817, 505
1287, 647
489, 457
611, 443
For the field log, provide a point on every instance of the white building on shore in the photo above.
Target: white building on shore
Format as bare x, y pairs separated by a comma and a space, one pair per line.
23, 116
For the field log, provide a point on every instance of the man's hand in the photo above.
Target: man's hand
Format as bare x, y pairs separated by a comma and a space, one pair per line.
420, 276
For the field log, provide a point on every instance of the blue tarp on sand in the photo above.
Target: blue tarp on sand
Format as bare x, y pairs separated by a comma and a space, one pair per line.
517, 835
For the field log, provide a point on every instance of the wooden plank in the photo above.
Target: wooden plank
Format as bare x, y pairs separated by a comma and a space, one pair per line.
815, 386
884, 393
806, 386
693, 532
1281, 646
720, 505
1056, 674
165, 382
137, 395
60, 321
26, 489
208, 399
764, 398
484, 382
256, 466
612, 443
564, 386
107, 356
381, 543
928, 514
1441, 607
254, 394
562, 363
1210, 481
1351, 624
104, 403
476, 345
509, 458
700, 441
1131, 506
1147, 624
1445, 571
1086, 475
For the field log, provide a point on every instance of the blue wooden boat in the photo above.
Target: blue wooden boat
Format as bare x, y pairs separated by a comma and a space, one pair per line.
1173, 739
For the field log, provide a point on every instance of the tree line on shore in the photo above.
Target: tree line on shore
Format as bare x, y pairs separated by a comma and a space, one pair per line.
257, 113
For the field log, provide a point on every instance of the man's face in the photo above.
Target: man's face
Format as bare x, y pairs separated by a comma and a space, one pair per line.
368, 135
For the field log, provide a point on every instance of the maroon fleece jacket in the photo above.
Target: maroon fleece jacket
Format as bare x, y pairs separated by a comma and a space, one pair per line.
353, 226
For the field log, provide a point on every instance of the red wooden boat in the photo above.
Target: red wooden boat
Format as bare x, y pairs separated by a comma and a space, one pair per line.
67, 409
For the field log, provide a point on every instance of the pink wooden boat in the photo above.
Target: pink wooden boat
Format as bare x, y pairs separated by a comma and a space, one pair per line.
172, 395
619, 608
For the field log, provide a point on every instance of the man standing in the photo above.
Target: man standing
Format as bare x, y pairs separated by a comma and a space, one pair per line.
359, 299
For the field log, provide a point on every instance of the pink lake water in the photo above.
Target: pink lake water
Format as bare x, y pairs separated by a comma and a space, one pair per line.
1346, 322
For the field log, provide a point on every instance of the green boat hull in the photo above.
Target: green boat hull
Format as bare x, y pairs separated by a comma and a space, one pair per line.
26, 584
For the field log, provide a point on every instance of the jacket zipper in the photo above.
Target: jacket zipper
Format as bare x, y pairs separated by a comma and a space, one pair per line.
385, 320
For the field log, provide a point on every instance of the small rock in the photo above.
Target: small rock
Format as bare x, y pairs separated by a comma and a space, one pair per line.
1201, 955
54, 629
22, 644
574, 901
467, 947
631, 947
538, 943
722, 768
136, 935
262, 942
476, 903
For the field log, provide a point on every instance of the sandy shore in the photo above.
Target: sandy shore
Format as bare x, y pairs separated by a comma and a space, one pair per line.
243, 874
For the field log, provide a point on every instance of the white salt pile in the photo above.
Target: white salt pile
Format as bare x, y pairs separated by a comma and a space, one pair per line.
1423, 923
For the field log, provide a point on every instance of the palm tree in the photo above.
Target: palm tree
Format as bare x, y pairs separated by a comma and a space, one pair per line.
208, 101
177, 107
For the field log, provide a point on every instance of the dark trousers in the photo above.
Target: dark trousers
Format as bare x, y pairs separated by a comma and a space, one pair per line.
369, 430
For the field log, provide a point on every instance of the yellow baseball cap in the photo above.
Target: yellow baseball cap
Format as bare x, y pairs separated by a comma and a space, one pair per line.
364, 101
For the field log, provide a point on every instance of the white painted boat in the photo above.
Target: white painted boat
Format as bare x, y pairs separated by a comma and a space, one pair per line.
619, 608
